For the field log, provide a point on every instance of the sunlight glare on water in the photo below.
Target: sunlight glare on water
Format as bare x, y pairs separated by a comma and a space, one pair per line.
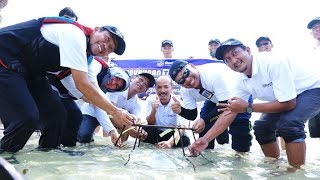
103, 161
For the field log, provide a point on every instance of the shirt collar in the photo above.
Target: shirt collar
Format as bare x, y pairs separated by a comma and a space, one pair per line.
254, 69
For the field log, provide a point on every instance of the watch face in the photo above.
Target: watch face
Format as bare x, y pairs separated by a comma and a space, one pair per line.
249, 109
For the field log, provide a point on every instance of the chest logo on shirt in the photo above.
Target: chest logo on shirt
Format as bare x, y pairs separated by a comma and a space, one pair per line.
205, 93
267, 85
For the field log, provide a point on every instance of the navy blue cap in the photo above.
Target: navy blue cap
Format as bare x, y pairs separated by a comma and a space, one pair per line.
121, 47
165, 42
225, 45
262, 38
313, 22
176, 67
151, 79
215, 40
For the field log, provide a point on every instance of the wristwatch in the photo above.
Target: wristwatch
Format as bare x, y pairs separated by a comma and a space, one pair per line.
249, 108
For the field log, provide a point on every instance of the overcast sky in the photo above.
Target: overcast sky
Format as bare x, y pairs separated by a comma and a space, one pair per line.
188, 23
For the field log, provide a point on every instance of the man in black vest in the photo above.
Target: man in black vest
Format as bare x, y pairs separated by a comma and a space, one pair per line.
30, 49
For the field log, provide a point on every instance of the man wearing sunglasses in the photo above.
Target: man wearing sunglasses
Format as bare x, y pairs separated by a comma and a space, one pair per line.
264, 44
212, 81
289, 89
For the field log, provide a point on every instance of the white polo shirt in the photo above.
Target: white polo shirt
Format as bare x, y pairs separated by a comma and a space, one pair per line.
133, 105
71, 42
216, 78
164, 115
276, 77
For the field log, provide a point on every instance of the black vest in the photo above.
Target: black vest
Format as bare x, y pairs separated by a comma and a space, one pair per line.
55, 79
23, 48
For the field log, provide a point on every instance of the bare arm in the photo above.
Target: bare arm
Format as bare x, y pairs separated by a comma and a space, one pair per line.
274, 106
221, 124
152, 117
238, 105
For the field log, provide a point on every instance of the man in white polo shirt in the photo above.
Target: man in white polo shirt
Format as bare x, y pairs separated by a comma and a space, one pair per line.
212, 82
290, 91
160, 112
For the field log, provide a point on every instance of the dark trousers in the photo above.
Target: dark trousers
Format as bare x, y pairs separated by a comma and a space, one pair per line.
153, 137
26, 105
314, 126
239, 129
87, 127
289, 125
71, 126
223, 138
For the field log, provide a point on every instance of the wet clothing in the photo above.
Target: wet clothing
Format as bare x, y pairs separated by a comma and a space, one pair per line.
290, 124
87, 127
29, 50
153, 137
164, 117
314, 126
94, 116
276, 78
68, 92
217, 79
314, 123
239, 129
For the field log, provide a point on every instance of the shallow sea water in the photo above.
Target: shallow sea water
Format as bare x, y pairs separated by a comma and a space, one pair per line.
100, 160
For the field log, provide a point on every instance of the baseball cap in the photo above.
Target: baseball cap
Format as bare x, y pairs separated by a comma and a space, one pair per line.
116, 72
166, 42
214, 40
151, 79
176, 67
121, 43
225, 45
262, 38
313, 22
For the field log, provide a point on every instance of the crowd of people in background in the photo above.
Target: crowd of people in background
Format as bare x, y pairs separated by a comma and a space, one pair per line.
51, 62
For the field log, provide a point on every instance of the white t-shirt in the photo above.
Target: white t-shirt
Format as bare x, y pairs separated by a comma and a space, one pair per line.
277, 78
71, 42
164, 115
68, 82
216, 78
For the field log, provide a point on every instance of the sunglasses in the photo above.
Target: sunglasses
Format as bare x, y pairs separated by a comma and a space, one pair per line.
185, 74
263, 44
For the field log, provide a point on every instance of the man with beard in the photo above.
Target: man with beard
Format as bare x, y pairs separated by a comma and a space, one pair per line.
289, 89
160, 111
42, 45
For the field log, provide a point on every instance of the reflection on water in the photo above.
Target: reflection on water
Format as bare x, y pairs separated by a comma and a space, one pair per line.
103, 161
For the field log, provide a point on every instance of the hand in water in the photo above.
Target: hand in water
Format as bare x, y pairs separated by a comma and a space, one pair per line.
198, 146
